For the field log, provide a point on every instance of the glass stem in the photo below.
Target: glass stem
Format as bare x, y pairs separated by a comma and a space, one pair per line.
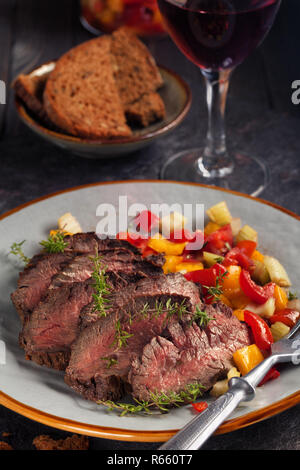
215, 161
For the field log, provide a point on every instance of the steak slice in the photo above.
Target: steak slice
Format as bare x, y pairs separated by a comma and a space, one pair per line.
52, 326
35, 280
98, 357
188, 354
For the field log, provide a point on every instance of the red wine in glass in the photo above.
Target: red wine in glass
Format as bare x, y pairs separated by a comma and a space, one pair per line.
217, 35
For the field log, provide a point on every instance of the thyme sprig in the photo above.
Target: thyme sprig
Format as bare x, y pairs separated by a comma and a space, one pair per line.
121, 336
292, 296
201, 317
101, 287
214, 293
169, 307
158, 401
16, 249
55, 244
110, 361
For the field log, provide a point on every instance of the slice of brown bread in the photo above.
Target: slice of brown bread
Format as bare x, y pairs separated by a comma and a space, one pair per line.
148, 109
30, 89
81, 96
136, 72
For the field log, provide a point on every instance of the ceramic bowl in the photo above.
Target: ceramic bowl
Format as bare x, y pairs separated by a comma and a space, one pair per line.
175, 93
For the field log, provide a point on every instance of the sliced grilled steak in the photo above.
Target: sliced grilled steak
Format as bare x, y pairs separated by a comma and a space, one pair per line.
54, 288
98, 358
35, 280
39, 273
188, 355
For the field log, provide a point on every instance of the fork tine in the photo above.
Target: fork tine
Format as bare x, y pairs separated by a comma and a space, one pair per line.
293, 330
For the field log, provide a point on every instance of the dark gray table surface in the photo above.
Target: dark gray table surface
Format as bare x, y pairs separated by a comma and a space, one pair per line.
261, 120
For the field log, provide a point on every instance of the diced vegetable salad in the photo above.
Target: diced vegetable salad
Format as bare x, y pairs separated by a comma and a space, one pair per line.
230, 268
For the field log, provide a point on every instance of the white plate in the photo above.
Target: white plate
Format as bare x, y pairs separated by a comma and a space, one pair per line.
41, 394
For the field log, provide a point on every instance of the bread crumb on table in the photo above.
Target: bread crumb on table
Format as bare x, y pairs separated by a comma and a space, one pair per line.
5, 446
74, 442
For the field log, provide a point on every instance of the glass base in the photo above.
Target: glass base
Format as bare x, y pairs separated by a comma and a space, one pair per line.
245, 174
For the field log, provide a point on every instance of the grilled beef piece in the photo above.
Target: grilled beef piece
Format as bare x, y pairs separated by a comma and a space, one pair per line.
53, 360
54, 288
35, 280
100, 361
52, 326
188, 354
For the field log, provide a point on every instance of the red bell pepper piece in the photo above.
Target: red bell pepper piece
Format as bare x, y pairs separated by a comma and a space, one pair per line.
196, 244
237, 257
241, 255
145, 221
201, 406
134, 239
147, 251
261, 332
271, 375
247, 247
183, 235
206, 277
219, 241
287, 316
259, 294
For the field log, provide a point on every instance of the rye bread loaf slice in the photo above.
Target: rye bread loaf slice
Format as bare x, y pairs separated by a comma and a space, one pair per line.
136, 73
148, 109
30, 89
81, 96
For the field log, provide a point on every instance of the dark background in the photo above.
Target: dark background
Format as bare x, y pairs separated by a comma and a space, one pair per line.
260, 119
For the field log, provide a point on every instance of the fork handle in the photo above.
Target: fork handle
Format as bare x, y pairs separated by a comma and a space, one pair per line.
195, 433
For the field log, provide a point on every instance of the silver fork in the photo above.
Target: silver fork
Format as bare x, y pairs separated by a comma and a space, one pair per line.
197, 431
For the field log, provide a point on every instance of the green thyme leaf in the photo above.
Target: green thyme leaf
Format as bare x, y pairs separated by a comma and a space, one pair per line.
292, 296
201, 318
214, 293
121, 336
158, 401
110, 361
101, 287
16, 249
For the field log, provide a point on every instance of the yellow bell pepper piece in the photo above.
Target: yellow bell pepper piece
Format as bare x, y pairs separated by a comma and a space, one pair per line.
258, 256
239, 314
247, 358
231, 282
281, 299
187, 267
240, 301
211, 227
171, 262
54, 232
225, 300
162, 245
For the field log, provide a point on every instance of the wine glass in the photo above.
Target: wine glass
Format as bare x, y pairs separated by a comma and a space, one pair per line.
217, 35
